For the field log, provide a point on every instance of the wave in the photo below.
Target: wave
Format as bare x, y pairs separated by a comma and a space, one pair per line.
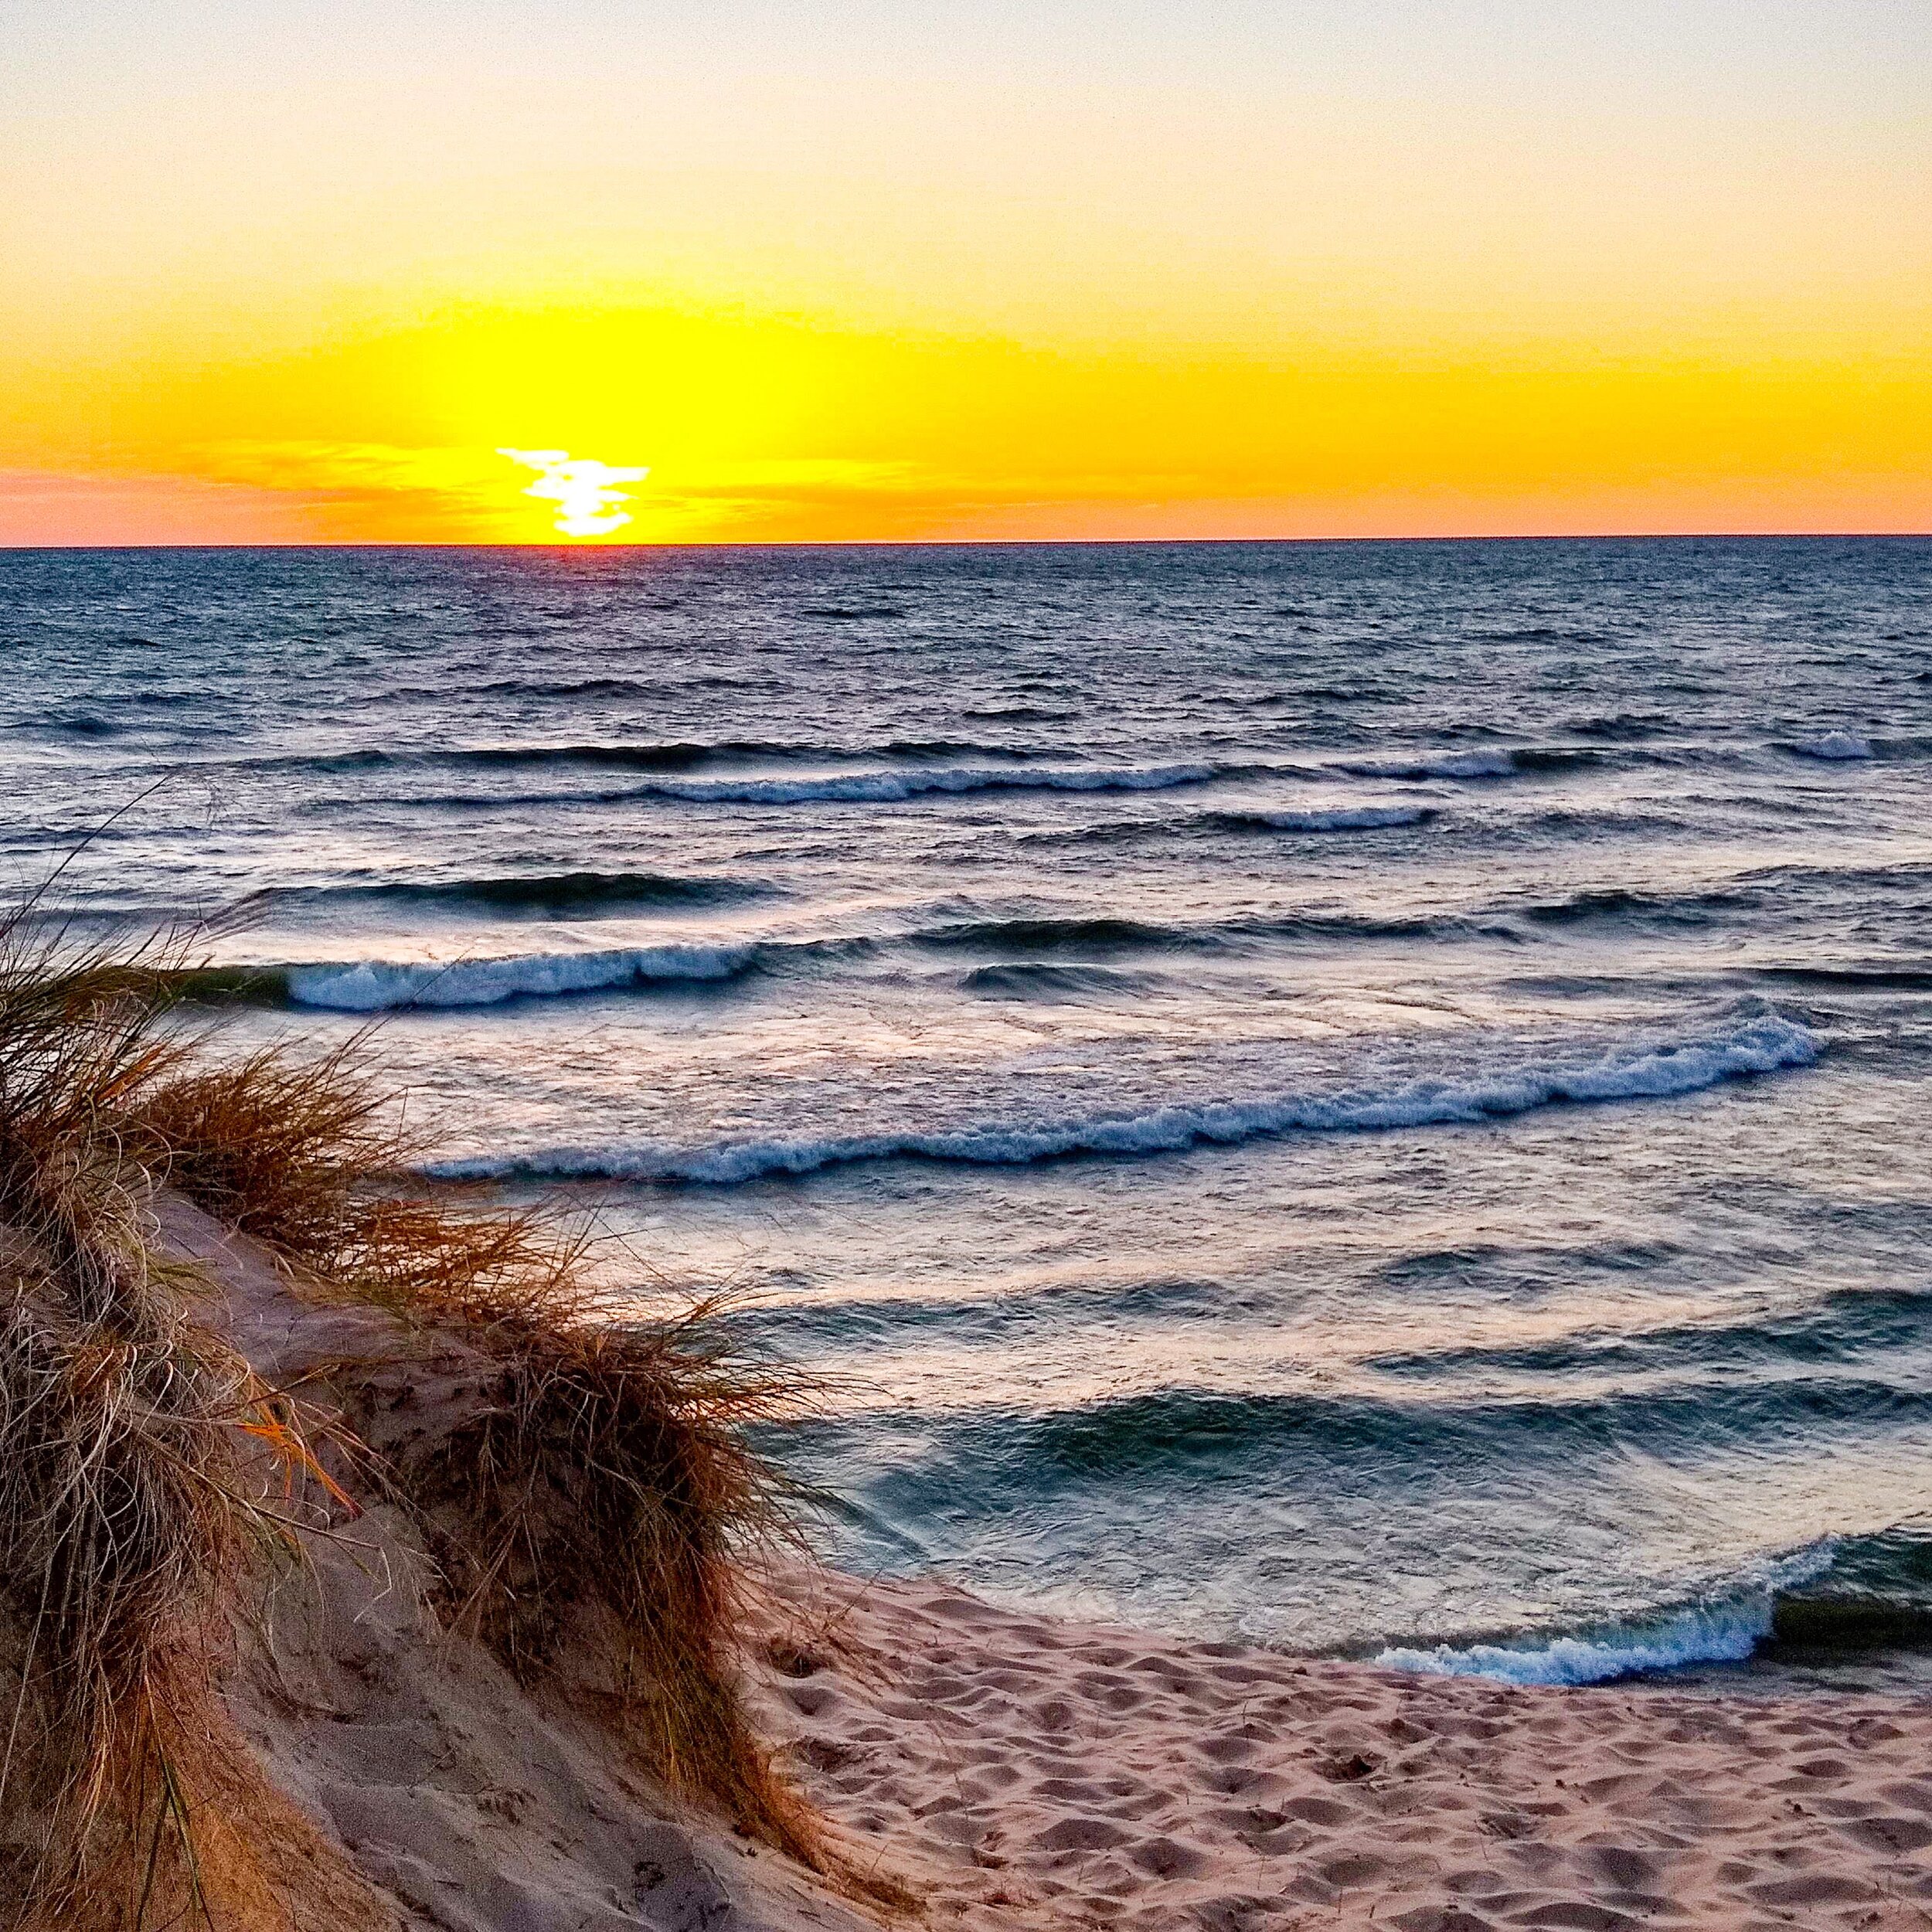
1760, 1046
1877, 1596
83, 724
1616, 902
381, 985
855, 787
1030, 979
1623, 727
1722, 1634
1832, 745
1559, 758
1341, 818
669, 755
554, 891
887, 787
1035, 935
1877, 978
1447, 764
672, 755
1489, 764
371, 986
1102, 934
563, 688
1833, 1599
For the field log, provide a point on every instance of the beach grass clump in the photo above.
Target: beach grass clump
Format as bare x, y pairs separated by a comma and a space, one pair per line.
597, 1471
306, 1153
131, 1444
600, 1486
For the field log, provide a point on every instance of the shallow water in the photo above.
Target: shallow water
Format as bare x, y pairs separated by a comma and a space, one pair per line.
1362, 1095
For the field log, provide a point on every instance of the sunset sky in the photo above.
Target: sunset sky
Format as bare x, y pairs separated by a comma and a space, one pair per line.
839, 269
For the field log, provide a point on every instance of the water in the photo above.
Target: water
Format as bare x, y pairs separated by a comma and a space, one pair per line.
1370, 1096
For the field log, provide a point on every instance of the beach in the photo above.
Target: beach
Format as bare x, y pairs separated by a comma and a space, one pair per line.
966, 967
1029, 1772
1015, 1772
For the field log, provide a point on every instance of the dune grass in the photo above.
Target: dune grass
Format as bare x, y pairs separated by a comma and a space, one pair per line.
596, 1486
130, 1501
604, 1467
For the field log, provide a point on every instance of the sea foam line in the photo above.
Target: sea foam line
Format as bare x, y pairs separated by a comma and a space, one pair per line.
1337, 819
885, 786
1721, 1632
1761, 1046
370, 986
1432, 764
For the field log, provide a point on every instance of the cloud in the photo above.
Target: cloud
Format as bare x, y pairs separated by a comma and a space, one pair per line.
583, 489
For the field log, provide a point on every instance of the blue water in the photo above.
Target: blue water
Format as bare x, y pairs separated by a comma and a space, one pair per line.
1366, 1096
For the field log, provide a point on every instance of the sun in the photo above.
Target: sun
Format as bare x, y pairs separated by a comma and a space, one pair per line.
583, 489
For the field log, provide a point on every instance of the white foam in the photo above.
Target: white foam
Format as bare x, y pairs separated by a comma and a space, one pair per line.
1343, 818
1759, 1046
370, 986
1724, 1630
1723, 1635
1448, 764
885, 786
1834, 745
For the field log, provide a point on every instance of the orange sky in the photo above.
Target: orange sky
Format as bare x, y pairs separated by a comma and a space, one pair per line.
832, 271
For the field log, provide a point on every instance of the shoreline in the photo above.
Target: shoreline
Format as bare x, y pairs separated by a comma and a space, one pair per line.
1037, 1774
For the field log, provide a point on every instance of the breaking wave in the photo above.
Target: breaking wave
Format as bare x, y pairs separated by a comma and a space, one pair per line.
1834, 745
371, 986
1341, 818
1726, 1634
1447, 764
887, 787
1760, 1046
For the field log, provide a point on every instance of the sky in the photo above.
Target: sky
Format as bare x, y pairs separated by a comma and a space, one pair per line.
751, 270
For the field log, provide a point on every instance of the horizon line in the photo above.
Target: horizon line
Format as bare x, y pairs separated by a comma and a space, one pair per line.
1011, 543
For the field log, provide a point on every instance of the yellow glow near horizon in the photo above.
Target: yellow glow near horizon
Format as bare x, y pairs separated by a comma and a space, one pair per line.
584, 490
1481, 267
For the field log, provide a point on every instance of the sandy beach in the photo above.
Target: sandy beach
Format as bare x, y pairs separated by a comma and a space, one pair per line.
1025, 1772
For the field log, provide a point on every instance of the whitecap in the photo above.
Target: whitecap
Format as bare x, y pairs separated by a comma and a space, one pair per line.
1834, 745
370, 986
859, 787
1726, 1635
1723, 1629
1448, 764
1760, 1046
